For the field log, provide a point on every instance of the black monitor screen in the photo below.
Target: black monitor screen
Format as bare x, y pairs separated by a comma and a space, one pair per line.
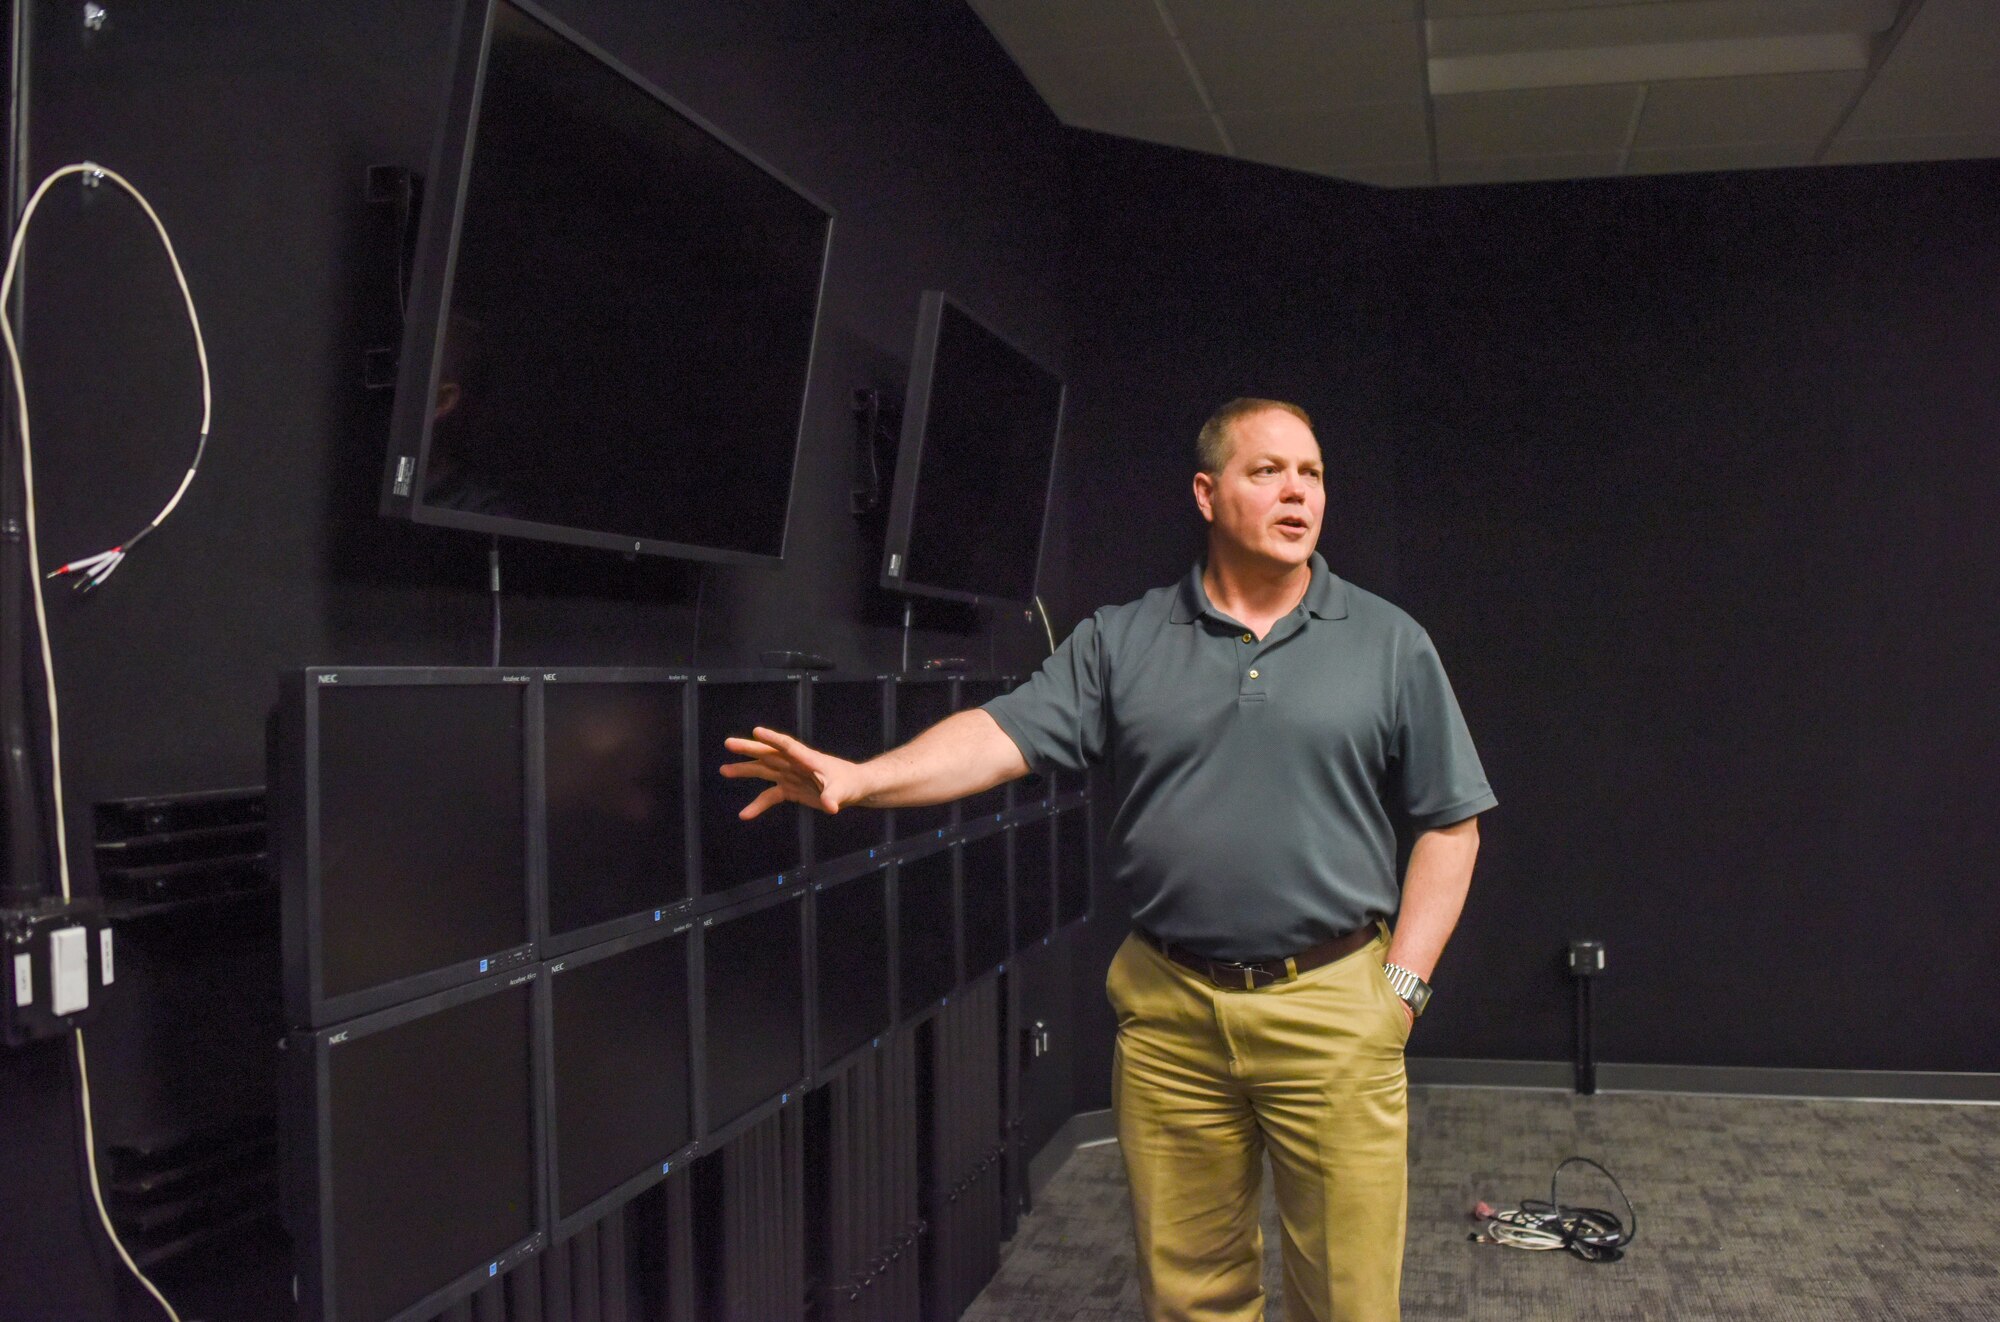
847, 722
978, 446
1034, 889
632, 309
432, 1150
621, 1068
1072, 865
734, 851
920, 704
755, 985
422, 834
985, 903
852, 928
926, 931
977, 693
617, 828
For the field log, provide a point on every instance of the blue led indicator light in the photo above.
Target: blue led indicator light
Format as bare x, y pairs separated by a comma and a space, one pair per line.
482, 966
492, 1269
666, 1167
656, 915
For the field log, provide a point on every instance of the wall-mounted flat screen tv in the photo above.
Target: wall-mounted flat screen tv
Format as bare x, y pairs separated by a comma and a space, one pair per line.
974, 466
612, 306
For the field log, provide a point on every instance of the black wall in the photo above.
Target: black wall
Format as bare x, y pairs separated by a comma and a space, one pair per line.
250, 128
1695, 481
1691, 480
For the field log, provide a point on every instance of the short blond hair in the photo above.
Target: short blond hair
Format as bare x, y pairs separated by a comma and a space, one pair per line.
1213, 445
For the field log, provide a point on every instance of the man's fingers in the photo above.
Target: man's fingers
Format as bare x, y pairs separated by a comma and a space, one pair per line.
747, 747
783, 743
770, 798
738, 770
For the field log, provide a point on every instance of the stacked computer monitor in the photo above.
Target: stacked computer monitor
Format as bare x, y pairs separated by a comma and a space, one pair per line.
535, 958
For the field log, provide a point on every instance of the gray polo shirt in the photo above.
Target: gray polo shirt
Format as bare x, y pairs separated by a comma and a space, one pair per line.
1258, 781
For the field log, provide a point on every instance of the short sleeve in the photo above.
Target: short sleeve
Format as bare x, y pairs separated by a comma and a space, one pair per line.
1057, 717
1437, 769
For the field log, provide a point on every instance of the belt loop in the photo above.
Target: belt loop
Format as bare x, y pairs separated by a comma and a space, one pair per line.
1249, 979
1291, 969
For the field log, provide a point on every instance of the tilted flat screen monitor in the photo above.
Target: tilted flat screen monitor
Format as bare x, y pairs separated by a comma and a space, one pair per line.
977, 693
847, 721
851, 935
920, 704
1034, 886
401, 803
753, 983
614, 770
975, 464
732, 851
1072, 860
983, 888
926, 931
414, 1144
621, 1096
611, 315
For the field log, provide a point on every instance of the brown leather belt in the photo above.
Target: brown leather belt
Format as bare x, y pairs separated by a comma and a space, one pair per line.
1261, 973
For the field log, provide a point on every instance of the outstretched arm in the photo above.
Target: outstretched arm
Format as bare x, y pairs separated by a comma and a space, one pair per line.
963, 754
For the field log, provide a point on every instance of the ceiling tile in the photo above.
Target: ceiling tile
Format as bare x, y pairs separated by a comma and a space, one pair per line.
1951, 32
1282, 20
1943, 147
1521, 169
1467, 8
1327, 141
1027, 24
1791, 107
1536, 122
1195, 132
1146, 81
1725, 156
1330, 66
1918, 101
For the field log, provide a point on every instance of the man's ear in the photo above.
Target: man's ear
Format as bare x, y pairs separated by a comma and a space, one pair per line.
447, 399
1204, 496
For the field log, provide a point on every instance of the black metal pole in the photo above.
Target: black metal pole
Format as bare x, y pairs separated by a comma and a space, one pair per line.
1586, 1063
26, 877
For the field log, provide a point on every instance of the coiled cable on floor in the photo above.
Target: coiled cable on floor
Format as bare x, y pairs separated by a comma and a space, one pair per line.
1591, 1233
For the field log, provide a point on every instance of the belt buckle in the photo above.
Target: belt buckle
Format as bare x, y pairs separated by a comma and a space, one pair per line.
1250, 972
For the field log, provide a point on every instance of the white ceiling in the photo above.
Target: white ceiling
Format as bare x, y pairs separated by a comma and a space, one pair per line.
1403, 93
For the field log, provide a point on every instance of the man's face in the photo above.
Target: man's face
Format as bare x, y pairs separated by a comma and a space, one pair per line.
1269, 499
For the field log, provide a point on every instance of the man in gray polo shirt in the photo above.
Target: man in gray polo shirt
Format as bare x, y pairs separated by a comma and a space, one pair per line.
1266, 726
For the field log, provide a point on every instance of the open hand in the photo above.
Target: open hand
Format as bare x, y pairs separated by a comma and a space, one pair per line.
796, 772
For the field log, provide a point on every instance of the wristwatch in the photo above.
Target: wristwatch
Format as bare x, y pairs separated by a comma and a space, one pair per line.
1416, 993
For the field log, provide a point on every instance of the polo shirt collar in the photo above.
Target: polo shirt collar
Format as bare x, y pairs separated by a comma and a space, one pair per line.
1326, 595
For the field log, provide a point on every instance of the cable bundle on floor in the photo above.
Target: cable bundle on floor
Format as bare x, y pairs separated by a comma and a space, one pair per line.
1591, 1233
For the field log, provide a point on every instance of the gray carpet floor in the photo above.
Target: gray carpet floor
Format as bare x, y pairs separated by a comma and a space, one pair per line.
1776, 1210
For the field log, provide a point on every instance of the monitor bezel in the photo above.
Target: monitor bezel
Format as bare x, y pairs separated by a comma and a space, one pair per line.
309, 1100
428, 306
878, 874
709, 1132
561, 1226
867, 859
909, 459
296, 774
555, 943
703, 762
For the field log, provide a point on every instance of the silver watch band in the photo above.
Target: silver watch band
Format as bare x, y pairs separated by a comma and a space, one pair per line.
1415, 992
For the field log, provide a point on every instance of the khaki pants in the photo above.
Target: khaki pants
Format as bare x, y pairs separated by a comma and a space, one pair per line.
1206, 1081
